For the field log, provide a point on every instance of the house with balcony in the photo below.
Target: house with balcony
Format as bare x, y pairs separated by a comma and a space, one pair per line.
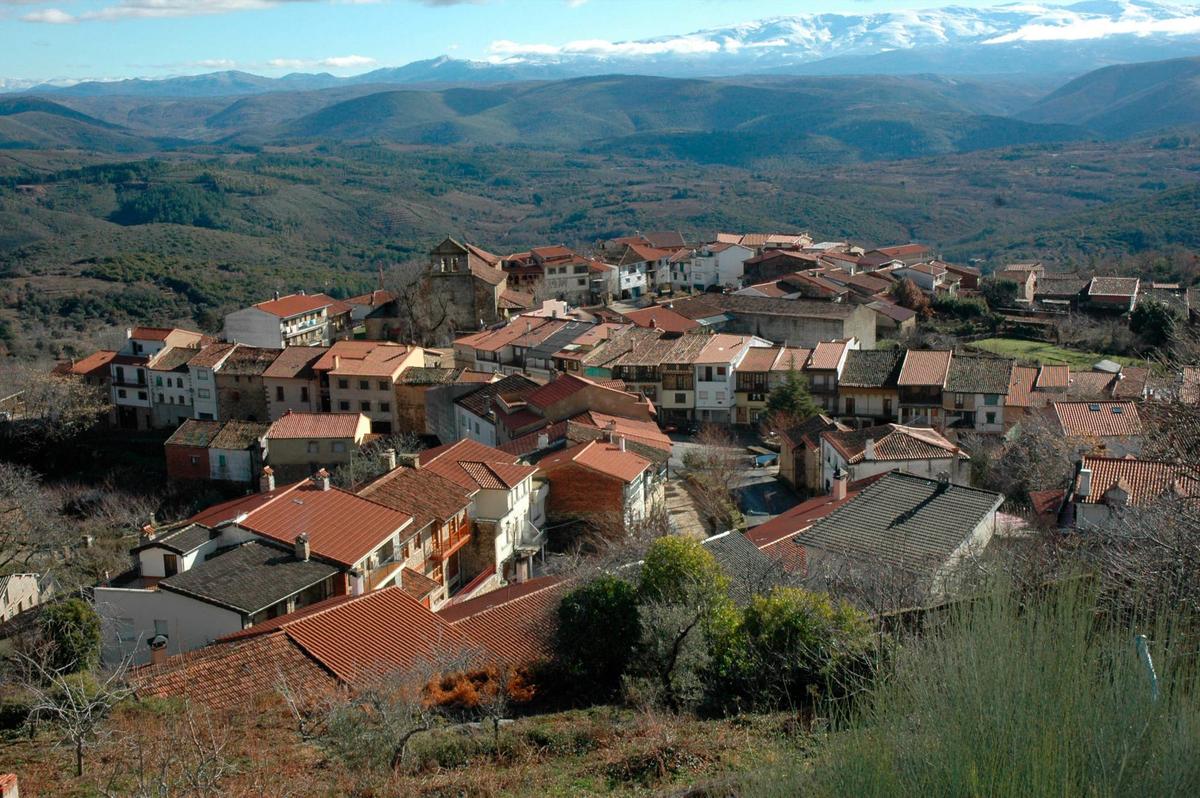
867, 386
975, 390
760, 372
824, 370
293, 320
921, 381
508, 510
715, 369
716, 264
442, 528
362, 376
171, 386
129, 378
554, 271
651, 264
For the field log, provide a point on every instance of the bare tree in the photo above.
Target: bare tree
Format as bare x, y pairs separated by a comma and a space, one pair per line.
713, 466
422, 312
46, 407
76, 705
31, 529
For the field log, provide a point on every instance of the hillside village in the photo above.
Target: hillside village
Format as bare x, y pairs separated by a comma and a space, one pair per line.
439, 464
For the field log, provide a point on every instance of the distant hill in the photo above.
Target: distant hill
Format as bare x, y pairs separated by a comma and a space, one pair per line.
841, 118
212, 84
36, 123
1124, 100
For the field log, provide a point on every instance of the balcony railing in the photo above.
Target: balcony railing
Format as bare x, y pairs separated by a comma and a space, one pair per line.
530, 539
443, 547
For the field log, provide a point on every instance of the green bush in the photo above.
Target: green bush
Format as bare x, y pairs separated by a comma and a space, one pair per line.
169, 203
597, 630
72, 629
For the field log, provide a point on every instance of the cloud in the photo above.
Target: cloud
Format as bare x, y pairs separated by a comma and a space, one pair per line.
50, 16
680, 45
332, 62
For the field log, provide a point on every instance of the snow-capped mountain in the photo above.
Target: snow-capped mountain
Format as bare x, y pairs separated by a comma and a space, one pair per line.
1123, 27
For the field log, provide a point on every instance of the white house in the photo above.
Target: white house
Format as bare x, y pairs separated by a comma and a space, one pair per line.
719, 264
863, 453
715, 367
294, 320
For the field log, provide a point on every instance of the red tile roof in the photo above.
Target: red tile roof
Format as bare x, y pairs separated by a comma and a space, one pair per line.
646, 432
364, 359
1020, 388
1142, 480
567, 385
156, 333
515, 623
601, 457
661, 318
1098, 419
420, 492
925, 367
95, 363
903, 250
1053, 375
827, 355
295, 362
474, 465
528, 444
316, 425
341, 527
294, 305
891, 442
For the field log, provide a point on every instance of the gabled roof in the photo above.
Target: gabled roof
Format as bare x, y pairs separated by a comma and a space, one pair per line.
249, 360
179, 538
95, 363
294, 305
808, 433
363, 359
925, 368
481, 401
567, 385
211, 356
661, 318
238, 435
341, 527
641, 253
979, 374
248, 578
891, 442
827, 355
515, 623
904, 521
903, 250
158, 333
1098, 419
646, 432
722, 348
1113, 286
295, 362
893, 311
473, 465
1021, 388
795, 520
1053, 376
421, 493
373, 299
749, 570
871, 368
316, 425
704, 306
172, 358
194, 432
1143, 481
599, 456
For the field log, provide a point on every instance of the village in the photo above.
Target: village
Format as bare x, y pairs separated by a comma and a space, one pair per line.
448, 461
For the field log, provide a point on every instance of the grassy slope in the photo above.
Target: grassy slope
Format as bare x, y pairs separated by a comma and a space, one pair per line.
1049, 353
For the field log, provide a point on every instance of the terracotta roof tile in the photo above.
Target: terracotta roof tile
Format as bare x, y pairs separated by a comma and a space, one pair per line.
317, 425
515, 623
1098, 419
601, 457
364, 359
925, 367
424, 495
1053, 376
294, 305
979, 374
661, 318
474, 465
1143, 480
295, 362
1113, 286
827, 355
891, 442
95, 363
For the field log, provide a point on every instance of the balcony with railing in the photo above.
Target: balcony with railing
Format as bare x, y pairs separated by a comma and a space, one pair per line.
381, 575
530, 539
447, 544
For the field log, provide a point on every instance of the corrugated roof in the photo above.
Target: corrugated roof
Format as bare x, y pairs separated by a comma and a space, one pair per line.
317, 425
924, 368
1098, 419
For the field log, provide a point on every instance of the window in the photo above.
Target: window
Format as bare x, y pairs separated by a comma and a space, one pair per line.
120, 374
720, 371
343, 383
179, 382
385, 407
339, 446
195, 460
887, 407
221, 460
202, 376
161, 398
278, 393
142, 395
364, 406
313, 447
383, 385
680, 398
991, 417
991, 399
720, 397
121, 393
158, 380
170, 564
344, 405
160, 627
364, 385
959, 401
203, 393
849, 405
704, 394
303, 393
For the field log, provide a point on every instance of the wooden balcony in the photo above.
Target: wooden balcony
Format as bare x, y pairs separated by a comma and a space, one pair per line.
443, 547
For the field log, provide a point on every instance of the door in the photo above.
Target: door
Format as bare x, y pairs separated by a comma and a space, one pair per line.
170, 565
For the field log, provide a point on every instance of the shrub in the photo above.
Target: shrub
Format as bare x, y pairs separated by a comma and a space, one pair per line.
72, 629
597, 630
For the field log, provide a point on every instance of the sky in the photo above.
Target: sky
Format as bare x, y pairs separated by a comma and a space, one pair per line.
104, 39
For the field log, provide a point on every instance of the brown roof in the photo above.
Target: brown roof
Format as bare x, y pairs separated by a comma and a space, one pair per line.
363, 358
979, 374
515, 300
341, 527
827, 355
421, 493
238, 435
567, 385
1113, 286
294, 305
249, 360
316, 425
295, 362
156, 333
925, 367
1098, 419
722, 348
903, 250
95, 363
601, 457
891, 442
515, 623
1020, 388
1053, 375
761, 358
513, 387
646, 432
661, 318
374, 299
474, 465
211, 355
1142, 480
194, 432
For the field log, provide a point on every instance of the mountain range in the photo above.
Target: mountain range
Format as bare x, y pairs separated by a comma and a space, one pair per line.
1011, 39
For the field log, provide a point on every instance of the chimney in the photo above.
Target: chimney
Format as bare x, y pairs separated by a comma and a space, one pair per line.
337, 362
621, 442
840, 478
276, 296
321, 479
266, 482
388, 456
869, 449
1083, 485
302, 549
158, 652
610, 431
409, 459
357, 583
543, 441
